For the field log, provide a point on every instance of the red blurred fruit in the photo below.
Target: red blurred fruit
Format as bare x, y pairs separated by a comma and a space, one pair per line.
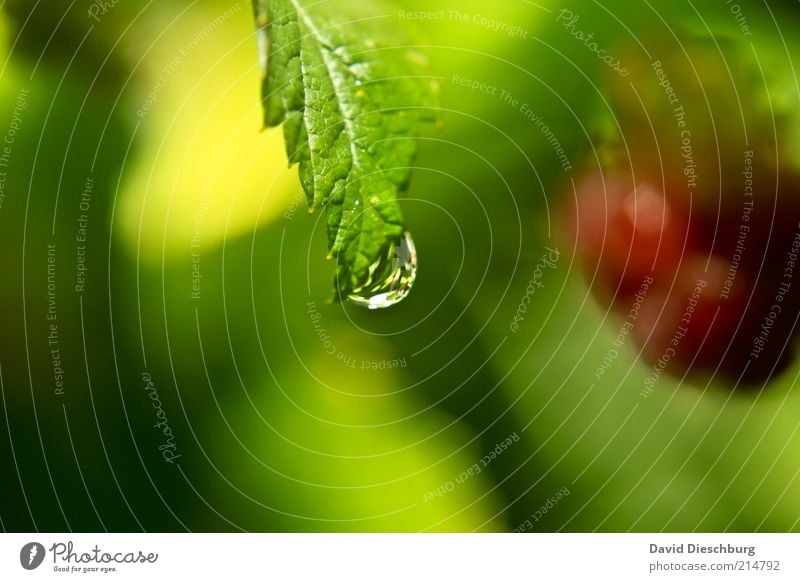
625, 233
692, 321
714, 279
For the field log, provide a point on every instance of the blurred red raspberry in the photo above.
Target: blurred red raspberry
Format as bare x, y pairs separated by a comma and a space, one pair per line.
625, 232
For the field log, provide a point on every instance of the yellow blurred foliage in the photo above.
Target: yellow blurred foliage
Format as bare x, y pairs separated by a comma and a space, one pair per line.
203, 168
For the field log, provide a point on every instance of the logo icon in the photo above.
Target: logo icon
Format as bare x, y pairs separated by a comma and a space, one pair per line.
31, 555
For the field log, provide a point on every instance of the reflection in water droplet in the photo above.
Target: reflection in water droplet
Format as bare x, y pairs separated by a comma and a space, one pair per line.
391, 276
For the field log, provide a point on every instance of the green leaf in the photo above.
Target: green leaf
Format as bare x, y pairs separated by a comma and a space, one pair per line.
350, 94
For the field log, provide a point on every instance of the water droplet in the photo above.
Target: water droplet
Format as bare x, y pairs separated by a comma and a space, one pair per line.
391, 277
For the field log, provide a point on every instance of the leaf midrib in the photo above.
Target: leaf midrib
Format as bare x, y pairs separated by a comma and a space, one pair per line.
338, 89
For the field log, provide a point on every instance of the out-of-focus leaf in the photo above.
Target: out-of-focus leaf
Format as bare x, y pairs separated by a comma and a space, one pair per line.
201, 169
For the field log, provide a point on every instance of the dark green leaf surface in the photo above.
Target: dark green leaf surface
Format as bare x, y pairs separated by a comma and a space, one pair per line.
349, 93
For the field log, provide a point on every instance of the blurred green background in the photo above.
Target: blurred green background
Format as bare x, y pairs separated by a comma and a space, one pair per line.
206, 287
